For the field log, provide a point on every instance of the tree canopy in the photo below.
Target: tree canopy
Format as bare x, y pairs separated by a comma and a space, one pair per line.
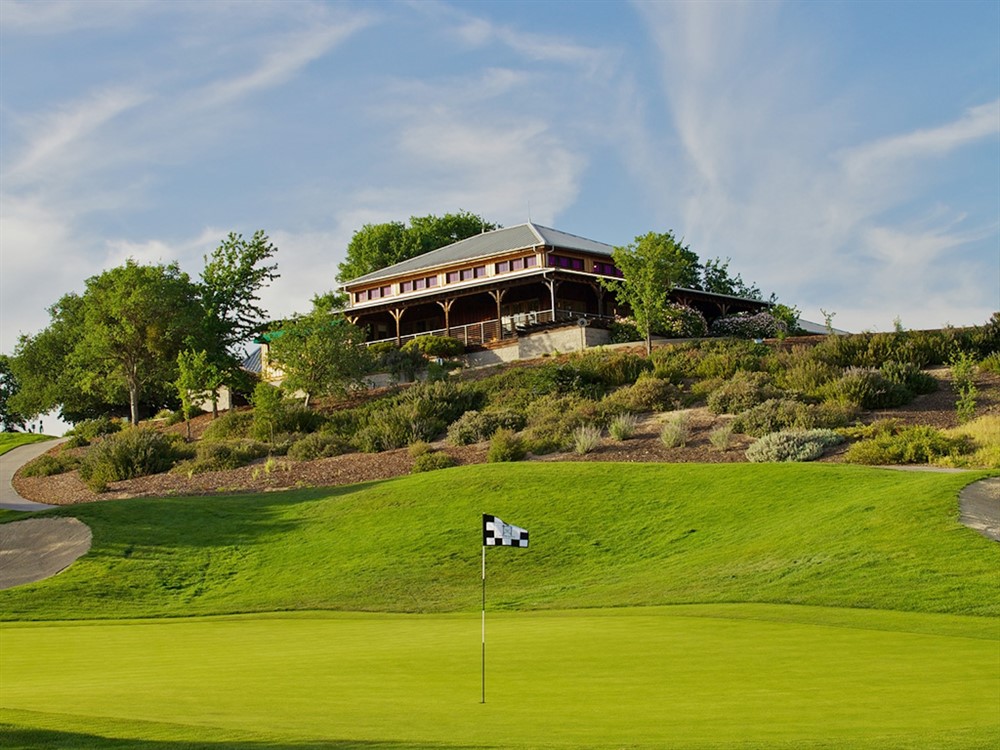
652, 266
377, 246
117, 344
10, 420
320, 353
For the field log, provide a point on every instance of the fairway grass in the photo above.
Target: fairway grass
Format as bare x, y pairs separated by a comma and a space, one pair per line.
682, 677
602, 535
659, 606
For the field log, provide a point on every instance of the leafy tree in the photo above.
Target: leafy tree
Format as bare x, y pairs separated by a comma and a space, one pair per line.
715, 277
49, 378
652, 266
197, 378
322, 353
376, 246
10, 420
230, 284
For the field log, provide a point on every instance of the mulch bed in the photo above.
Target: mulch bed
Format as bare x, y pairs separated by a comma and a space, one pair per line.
935, 409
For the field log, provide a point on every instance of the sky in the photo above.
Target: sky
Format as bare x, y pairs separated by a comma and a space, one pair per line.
844, 155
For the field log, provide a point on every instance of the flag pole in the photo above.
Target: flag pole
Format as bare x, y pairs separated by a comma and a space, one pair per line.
484, 625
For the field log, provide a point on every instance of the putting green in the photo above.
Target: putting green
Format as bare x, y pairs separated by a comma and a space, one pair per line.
689, 676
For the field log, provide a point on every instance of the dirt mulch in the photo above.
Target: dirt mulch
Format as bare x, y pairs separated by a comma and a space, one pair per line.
936, 409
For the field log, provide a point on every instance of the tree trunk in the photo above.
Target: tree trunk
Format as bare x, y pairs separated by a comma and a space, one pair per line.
305, 403
649, 341
133, 397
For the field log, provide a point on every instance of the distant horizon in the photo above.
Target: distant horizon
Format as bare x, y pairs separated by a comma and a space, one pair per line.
843, 156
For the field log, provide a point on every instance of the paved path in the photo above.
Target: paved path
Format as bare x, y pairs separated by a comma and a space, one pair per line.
13, 460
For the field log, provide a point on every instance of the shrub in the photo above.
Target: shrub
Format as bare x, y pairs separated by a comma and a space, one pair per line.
435, 346
89, 429
402, 365
317, 445
432, 461
229, 426
760, 325
984, 435
683, 322
792, 445
623, 426
805, 375
47, 465
135, 452
505, 445
624, 332
222, 456
298, 418
676, 431
741, 392
552, 419
474, 426
645, 395
723, 359
586, 438
676, 362
779, 414
991, 363
419, 448
268, 411
613, 369
919, 444
908, 376
76, 441
721, 437
866, 388
963, 372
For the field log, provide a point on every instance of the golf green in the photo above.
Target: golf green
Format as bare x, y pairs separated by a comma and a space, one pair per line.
681, 677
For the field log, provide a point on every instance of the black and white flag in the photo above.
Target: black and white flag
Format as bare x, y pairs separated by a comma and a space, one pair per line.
496, 533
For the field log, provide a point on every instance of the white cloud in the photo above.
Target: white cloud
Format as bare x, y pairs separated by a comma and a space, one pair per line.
975, 124
763, 175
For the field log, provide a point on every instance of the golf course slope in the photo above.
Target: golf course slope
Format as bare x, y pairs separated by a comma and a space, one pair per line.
685, 606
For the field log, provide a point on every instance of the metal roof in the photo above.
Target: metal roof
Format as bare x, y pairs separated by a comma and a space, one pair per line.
509, 239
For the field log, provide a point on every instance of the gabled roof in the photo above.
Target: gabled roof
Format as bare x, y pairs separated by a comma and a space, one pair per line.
509, 239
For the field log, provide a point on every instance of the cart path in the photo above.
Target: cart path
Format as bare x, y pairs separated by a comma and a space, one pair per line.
13, 460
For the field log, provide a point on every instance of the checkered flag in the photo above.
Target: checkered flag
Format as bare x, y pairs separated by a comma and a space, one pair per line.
496, 533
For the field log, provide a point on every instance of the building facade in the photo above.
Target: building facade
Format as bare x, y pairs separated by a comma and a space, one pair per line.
490, 287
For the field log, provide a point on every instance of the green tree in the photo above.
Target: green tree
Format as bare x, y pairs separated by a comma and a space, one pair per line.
715, 277
49, 378
198, 378
377, 246
136, 319
652, 266
322, 353
229, 289
10, 420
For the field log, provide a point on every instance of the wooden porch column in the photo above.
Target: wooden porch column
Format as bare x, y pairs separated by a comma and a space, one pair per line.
723, 307
396, 314
352, 319
599, 292
498, 295
552, 284
446, 306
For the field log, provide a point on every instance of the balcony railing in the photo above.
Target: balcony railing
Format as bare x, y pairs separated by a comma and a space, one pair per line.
487, 331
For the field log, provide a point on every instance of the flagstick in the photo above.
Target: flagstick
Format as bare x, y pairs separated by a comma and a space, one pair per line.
484, 625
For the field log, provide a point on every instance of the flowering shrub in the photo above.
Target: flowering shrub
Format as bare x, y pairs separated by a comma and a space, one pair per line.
760, 325
683, 322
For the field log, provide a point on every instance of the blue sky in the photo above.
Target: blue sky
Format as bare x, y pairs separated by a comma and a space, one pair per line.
845, 156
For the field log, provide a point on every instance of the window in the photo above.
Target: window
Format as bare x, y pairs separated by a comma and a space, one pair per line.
419, 283
359, 296
466, 274
405, 286
386, 291
431, 281
479, 272
561, 261
503, 266
517, 264
452, 277
530, 262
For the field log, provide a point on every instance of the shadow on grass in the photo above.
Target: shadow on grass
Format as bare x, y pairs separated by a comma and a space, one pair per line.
199, 521
21, 738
